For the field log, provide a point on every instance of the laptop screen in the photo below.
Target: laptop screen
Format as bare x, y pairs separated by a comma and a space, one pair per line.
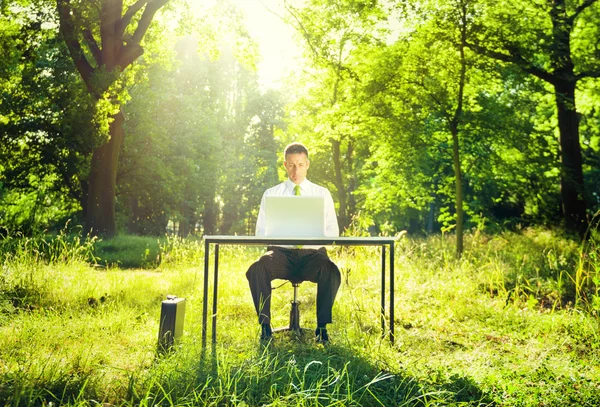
294, 216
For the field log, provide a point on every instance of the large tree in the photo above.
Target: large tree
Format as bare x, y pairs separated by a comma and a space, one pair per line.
430, 97
556, 41
104, 38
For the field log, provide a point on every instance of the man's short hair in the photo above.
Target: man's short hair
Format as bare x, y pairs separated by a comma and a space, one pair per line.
295, 148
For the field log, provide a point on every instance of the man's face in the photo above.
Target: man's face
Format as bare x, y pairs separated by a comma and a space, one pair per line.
296, 166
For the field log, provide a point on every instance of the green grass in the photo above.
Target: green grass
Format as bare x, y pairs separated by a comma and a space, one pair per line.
128, 252
510, 324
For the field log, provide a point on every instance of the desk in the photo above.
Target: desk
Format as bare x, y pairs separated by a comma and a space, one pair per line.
293, 241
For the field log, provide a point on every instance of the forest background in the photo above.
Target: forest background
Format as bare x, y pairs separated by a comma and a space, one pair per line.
148, 117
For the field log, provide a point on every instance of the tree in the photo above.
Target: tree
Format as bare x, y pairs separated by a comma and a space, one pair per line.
414, 87
332, 32
556, 42
45, 126
260, 153
200, 145
112, 36
248, 146
446, 86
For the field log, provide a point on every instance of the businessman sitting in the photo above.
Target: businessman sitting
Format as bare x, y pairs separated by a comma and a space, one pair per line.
298, 264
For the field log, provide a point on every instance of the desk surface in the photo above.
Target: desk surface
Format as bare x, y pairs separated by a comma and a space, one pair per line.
338, 241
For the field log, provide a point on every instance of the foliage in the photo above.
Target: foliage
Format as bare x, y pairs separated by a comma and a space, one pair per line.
401, 89
181, 124
68, 246
374, 99
328, 114
198, 132
45, 122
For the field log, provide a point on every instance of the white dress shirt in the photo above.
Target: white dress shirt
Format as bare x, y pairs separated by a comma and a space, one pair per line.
307, 188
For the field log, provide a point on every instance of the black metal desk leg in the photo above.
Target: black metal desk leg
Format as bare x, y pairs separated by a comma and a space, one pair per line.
383, 290
215, 290
392, 292
205, 297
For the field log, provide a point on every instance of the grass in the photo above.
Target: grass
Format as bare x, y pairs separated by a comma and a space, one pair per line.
128, 252
510, 324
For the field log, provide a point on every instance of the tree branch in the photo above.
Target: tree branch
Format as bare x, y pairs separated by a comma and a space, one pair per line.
89, 39
319, 54
93, 45
133, 50
126, 19
431, 94
151, 8
304, 30
582, 7
514, 57
588, 74
111, 44
67, 30
128, 54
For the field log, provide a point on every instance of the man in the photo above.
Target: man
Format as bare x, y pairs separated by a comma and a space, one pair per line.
304, 264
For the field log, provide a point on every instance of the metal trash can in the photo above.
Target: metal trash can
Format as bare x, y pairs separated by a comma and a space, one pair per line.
172, 314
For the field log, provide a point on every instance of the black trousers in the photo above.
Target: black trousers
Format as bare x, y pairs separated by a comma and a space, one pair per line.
294, 265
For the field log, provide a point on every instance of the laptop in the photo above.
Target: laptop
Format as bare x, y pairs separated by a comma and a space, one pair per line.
294, 216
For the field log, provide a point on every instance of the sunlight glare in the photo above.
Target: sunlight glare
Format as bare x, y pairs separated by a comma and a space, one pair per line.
275, 39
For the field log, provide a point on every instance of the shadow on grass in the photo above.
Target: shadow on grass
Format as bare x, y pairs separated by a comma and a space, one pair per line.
464, 390
296, 371
18, 389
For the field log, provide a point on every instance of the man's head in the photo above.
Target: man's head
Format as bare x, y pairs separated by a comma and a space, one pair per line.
295, 161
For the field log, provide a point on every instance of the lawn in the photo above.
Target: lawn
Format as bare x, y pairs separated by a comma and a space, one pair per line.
512, 323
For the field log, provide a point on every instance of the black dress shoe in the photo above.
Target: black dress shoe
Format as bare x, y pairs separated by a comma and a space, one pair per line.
321, 335
266, 333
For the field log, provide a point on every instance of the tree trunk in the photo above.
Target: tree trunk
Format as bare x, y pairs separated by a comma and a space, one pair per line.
133, 221
102, 182
209, 216
186, 213
430, 217
571, 180
565, 81
459, 193
454, 126
184, 227
230, 214
351, 181
343, 220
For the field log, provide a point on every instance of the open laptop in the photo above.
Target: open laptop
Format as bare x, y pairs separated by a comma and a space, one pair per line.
294, 216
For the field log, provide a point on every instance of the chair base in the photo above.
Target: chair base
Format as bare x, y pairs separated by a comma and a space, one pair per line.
294, 325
